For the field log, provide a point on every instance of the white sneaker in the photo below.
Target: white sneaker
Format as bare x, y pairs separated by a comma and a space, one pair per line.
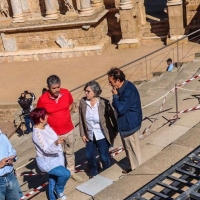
62, 196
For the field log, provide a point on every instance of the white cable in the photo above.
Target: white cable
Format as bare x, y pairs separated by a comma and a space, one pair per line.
155, 100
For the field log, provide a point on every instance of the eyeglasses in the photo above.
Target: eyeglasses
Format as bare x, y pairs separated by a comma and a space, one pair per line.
87, 91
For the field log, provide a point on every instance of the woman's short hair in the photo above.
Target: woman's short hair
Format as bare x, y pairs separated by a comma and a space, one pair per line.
37, 114
95, 87
116, 73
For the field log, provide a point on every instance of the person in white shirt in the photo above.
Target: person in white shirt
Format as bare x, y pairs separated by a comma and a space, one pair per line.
98, 126
49, 153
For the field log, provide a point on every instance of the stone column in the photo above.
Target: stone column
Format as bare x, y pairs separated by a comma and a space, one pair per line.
126, 4
17, 11
26, 8
97, 3
52, 10
86, 9
130, 23
175, 15
142, 12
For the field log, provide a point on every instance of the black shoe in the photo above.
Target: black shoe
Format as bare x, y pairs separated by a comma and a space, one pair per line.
91, 177
126, 171
26, 132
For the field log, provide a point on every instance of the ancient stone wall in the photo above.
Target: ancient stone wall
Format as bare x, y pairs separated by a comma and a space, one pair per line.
193, 12
1, 45
46, 39
131, 22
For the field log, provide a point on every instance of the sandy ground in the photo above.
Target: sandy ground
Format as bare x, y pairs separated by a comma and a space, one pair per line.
17, 77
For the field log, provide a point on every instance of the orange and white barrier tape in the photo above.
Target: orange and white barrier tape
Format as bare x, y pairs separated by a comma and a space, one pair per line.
117, 152
31, 174
165, 97
34, 191
113, 152
183, 111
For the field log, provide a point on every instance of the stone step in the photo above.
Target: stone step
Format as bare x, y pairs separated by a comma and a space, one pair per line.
7, 128
151, 145
153, 167
160, 33
158, 25
153, 30
153, 22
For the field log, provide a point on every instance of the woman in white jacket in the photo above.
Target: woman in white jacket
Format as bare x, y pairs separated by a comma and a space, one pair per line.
49, 153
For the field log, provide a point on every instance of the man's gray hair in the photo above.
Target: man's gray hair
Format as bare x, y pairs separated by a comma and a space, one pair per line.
53, 79
95, 87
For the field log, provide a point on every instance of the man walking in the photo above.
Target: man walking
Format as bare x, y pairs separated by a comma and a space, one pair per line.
126, 102
58, 102
9, 186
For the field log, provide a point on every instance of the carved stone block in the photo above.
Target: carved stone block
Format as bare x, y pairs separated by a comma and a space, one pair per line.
175, 10
126, 14
124, 26
9, 44
175, 22
127, 35
64, 43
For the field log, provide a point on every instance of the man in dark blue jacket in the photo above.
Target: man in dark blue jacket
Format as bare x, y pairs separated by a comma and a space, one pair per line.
127, 104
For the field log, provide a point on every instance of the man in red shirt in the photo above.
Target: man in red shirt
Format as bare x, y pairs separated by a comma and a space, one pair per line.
58, 102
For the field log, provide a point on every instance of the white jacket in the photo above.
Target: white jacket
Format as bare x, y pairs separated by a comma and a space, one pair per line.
48, 155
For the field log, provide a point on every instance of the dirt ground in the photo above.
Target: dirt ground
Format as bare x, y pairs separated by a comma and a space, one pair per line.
17, 77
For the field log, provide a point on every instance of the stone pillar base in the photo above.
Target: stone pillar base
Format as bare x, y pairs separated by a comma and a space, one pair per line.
50, 16
71, 14
128, 43
177, 37
18, 18
97, 4
86, 12
174, 2
126, 5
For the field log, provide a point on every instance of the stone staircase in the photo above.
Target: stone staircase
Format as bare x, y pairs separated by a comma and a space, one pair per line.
153, 145
155, 29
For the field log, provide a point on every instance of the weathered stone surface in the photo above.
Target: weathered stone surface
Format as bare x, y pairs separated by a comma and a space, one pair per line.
124, 26
10, 44
64, 43
126, 14
127, 35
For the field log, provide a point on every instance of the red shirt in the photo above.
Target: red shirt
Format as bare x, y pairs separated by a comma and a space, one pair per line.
59, 117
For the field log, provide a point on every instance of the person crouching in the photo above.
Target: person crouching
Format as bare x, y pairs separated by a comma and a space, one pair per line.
49, 153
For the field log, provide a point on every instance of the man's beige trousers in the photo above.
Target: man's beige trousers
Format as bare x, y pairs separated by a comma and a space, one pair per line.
69, 150
132, 149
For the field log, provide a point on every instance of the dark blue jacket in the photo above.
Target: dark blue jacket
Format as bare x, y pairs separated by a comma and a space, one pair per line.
128, 107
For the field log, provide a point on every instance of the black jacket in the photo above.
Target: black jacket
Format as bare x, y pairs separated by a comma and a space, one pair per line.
26, 103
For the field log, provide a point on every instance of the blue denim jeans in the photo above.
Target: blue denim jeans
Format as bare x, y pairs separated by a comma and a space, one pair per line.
103, 148
9, 187
19, 189
28, 120
58, 178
